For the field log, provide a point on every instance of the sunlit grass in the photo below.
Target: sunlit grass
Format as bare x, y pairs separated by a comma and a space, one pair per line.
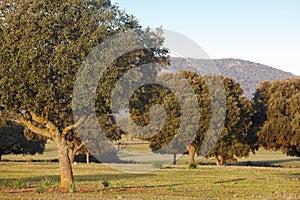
260, 158
203, 182
173, 182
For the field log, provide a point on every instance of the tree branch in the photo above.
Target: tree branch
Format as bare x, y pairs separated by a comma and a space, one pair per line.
30, 126
43, 119
77, 148
73, 126
53, 130
34, 116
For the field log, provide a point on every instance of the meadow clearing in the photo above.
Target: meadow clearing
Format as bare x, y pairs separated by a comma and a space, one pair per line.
271, 175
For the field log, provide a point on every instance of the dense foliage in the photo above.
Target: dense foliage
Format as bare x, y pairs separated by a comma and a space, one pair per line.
42, 47
277, 119
235, 139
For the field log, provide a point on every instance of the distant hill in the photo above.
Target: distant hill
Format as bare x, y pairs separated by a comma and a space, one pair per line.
248, 74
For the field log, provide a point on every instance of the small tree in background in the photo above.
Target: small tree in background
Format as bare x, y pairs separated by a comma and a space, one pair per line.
15, 140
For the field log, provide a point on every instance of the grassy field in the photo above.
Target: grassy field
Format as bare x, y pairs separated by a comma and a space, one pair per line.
22, 180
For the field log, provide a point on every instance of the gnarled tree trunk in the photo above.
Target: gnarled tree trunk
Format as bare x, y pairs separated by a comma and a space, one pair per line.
66, 173
48, 129
192, 150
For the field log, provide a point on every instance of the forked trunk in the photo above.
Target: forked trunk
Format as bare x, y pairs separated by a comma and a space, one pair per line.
192, 150
219, 161
66, 174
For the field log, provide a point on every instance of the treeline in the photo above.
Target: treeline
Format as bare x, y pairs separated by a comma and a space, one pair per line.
271, 120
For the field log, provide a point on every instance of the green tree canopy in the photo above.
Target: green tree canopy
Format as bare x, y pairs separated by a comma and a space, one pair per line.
277, 115
42, 46
235, 139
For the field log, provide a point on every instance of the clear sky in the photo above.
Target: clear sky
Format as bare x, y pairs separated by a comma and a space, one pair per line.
262, 31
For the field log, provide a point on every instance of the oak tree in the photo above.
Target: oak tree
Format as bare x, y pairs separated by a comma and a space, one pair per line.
42, 45
235, 139
276, 118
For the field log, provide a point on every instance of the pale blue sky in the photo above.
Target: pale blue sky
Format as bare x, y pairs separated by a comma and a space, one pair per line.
263, 31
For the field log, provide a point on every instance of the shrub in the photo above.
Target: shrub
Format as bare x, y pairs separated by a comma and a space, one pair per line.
105, 183
40, 190
192, 166
72, 187
18, 184
171, 188
45, 184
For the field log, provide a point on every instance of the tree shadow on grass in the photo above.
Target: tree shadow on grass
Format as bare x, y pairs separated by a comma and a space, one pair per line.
78, 178
87, 183
32, 160
110, 177
230, 181
266, 163
37, 179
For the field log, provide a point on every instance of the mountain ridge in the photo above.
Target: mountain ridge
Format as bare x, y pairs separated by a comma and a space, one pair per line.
247, 73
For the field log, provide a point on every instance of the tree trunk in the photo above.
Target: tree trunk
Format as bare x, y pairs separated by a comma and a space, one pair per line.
174, 159
221, 161
66, 173
0, 156
217, 159
192, 150
72, 155
87, 157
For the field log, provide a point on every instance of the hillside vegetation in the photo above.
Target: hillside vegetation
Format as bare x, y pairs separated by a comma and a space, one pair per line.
248, 74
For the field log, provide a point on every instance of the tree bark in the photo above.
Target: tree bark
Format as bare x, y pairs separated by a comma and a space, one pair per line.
66, 173
50, 130
72, 155
192, 150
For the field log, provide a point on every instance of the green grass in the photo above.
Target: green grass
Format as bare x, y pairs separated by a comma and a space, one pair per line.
281, 181
261, 157
176, 182
49, 154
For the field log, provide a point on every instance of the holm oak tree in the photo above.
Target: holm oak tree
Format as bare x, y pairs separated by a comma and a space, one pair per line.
42, 46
